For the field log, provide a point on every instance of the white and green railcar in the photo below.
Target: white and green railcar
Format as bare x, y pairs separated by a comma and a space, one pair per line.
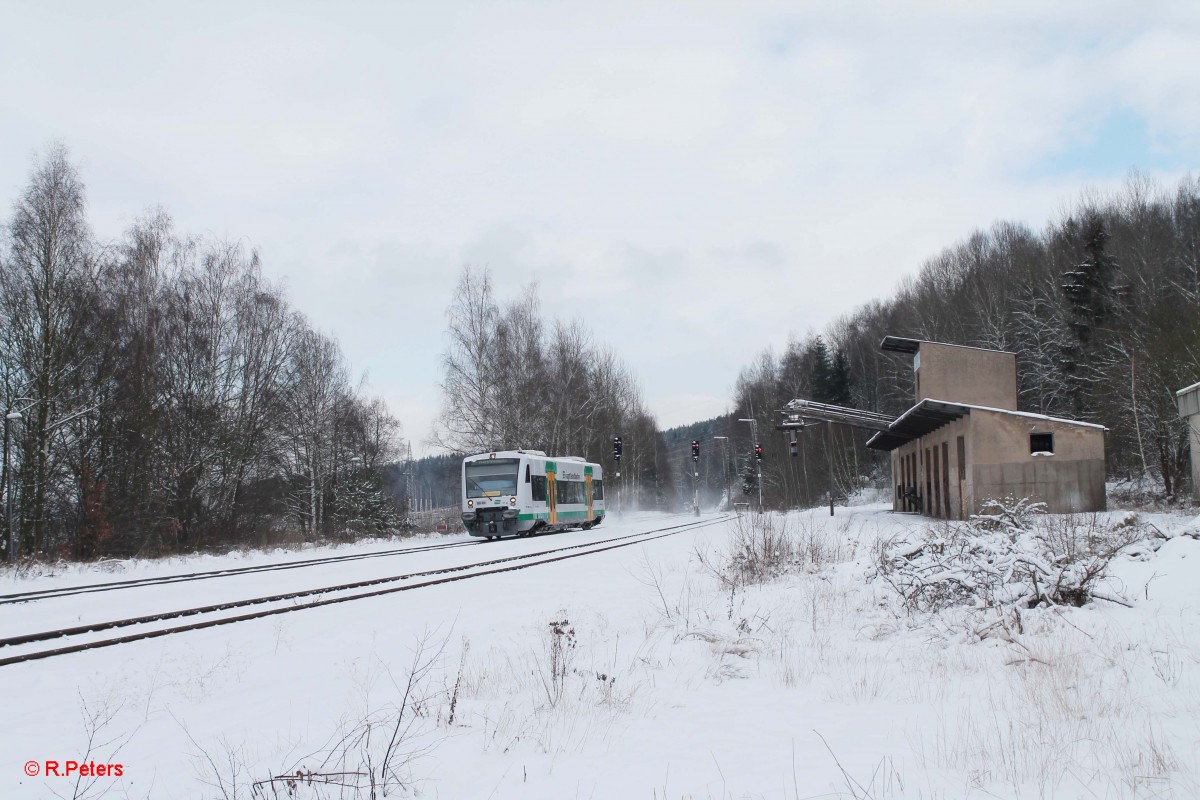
523, 491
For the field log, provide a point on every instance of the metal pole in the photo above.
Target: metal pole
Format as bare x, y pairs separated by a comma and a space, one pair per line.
754, 435
829, 453
9, 418
725, 485
760, 505
8, 507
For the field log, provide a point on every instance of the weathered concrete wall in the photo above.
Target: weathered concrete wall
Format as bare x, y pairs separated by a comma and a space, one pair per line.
1070, 480
1194, 424
1189, 409
949, 489
998, 464
966, 375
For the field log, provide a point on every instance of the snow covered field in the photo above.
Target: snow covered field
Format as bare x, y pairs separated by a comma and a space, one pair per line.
640, 672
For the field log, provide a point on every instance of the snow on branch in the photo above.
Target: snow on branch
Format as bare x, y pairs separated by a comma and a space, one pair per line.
1012, 556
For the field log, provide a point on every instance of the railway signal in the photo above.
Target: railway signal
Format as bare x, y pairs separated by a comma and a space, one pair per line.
695, 450
617, 471
758, 452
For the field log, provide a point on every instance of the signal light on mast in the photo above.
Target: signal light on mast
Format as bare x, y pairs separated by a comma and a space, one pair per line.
695, 450
758, 452
617, 448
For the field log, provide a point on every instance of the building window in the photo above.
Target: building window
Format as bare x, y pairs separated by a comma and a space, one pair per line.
1041, 444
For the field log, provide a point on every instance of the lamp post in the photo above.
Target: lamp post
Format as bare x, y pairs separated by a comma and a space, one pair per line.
757, 458
9, 419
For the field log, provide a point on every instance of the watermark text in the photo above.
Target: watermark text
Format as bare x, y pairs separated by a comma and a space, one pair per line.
73, 769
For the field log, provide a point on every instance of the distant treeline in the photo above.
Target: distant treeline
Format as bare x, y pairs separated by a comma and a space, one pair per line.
433, 482
513, 380
1102, 308
169, 396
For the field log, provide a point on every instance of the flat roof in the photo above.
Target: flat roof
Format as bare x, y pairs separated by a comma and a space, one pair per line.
929, 415
901, 344
898, 344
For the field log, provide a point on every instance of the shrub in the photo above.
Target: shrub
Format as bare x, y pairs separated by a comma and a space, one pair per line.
1013, 556
766, 546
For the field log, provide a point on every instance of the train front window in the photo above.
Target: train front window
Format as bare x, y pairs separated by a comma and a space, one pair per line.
495, 477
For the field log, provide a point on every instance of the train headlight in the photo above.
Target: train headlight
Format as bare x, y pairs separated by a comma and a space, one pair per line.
470, 504
512, 501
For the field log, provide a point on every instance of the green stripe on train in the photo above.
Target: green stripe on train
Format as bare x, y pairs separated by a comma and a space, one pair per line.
561, 515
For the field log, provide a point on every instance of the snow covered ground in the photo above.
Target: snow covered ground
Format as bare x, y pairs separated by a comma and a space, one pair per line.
638, 672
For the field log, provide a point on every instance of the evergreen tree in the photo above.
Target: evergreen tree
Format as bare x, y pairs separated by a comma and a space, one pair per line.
1089, 287
1090, 301
840, 380
821, 377
830, 376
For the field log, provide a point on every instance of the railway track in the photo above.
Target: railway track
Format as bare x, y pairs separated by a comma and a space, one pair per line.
287, 602
108, 586
68, 591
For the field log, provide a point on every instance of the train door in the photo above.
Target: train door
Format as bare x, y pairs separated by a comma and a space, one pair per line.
551, 492
587, 479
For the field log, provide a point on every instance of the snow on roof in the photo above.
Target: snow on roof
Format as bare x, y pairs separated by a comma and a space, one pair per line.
1191, 388
930, 415
518, 453
1027, 414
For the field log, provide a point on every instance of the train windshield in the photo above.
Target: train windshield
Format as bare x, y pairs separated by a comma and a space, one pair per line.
492, 478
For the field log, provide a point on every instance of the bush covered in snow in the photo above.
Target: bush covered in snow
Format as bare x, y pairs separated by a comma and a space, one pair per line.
765, 546
1013, 556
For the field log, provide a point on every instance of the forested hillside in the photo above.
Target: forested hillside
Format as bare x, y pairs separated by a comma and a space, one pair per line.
1102, 308
724, 459
160, 394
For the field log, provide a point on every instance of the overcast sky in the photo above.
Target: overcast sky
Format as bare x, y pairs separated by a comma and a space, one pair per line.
653, 166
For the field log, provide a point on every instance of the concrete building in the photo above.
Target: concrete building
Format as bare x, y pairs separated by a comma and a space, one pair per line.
1189, 409
965, 442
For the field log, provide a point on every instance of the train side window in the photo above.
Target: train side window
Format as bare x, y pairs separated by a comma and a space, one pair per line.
538, 488
527, 473
570, 493
597, 490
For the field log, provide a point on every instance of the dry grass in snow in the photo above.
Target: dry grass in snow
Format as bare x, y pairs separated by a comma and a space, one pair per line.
794, 656
997, 689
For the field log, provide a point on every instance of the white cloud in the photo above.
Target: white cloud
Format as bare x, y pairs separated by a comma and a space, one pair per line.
695, 180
